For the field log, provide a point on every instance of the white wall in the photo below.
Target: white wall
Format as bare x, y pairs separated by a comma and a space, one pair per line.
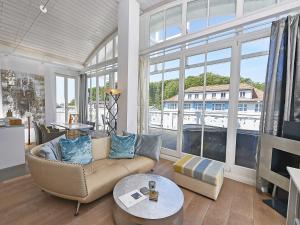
48, 70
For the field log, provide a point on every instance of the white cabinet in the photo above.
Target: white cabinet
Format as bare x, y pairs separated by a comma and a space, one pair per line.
12, 149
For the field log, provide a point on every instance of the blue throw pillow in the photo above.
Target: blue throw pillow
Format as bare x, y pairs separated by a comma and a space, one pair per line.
77, 151
122, 147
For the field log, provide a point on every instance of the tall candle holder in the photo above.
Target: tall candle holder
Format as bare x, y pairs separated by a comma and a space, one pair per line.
111, 104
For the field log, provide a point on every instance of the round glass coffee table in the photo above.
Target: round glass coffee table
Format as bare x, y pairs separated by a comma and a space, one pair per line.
168, 210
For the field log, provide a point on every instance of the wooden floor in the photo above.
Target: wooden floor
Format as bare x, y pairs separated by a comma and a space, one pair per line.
22, 203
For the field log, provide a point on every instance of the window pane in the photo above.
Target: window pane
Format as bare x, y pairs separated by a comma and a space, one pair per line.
101, 55
71, 96
94, 60
252, 5
172, 64
173, 22
259, 45
253, 73
155, 89
221, 11
195, 59
156, 67
170, 117
215, 116
219, 54
109, 50
116, 45
102, 83
60, 99
193, 110
92, 99
196, 15
157, 33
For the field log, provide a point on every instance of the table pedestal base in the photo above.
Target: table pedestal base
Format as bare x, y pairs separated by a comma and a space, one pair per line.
123, 218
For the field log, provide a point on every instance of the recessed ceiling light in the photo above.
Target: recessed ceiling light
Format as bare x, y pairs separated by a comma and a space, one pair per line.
43, 8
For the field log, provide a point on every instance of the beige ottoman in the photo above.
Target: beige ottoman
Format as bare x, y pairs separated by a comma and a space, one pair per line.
201, 175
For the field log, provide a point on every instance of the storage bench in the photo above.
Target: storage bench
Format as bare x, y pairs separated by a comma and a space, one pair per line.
201, 175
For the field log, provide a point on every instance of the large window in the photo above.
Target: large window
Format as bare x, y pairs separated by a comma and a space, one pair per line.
65, 98
101, 75
206, 96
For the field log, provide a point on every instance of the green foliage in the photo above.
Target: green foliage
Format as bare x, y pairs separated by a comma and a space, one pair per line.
171, 87
72, 102
92, 93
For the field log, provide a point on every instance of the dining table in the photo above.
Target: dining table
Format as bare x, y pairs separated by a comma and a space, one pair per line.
73, 129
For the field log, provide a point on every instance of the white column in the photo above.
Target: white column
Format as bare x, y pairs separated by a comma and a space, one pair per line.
128, 64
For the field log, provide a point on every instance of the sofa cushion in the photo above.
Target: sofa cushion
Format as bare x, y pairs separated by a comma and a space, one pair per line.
147, 145
101, 148
105, 177
122, 147
77, 151
51, 150
139, 164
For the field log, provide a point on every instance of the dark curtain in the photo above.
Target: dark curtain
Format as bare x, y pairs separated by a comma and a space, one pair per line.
282, 86
83, 98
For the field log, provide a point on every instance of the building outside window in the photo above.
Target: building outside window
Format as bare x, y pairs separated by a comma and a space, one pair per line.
189, 96
187, 106
242, 107
258, 107
242, 94
223, 95
198, 106
196, 96
218, 106
214, 95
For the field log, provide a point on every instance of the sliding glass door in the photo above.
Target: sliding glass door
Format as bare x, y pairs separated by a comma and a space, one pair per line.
205, 103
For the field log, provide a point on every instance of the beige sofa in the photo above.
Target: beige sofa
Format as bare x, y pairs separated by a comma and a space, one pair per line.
85, 183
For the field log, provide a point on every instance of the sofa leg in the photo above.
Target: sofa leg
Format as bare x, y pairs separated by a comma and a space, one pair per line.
77, 209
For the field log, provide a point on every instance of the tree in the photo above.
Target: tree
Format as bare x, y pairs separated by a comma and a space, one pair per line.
72, 102
171, 87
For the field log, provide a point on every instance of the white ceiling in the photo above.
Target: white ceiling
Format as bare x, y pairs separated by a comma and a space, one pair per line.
71, 29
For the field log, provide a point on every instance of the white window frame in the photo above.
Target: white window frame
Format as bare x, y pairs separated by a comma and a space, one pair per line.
231, 170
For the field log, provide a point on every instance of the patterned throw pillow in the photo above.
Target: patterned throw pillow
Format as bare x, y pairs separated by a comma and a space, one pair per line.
78, 150
122, 147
